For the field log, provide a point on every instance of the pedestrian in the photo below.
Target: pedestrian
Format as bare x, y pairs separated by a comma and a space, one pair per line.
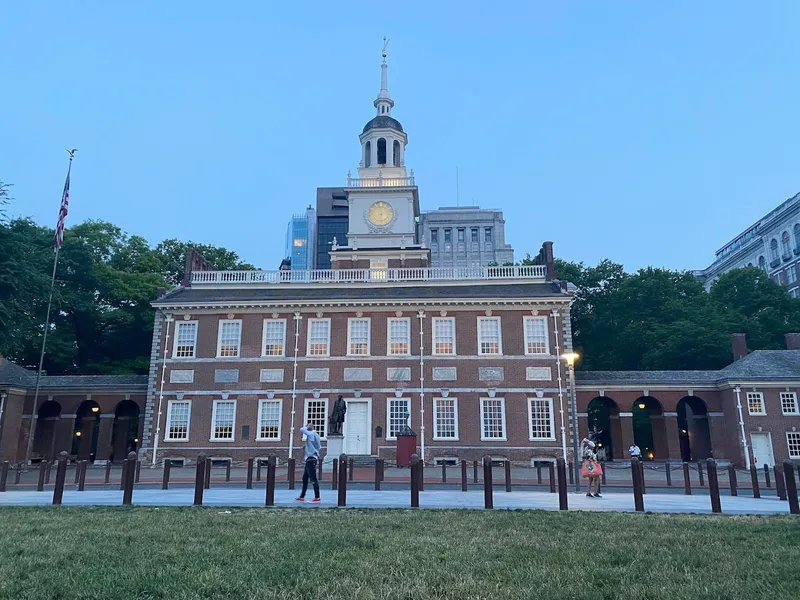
635, 451
591, 469
311, 455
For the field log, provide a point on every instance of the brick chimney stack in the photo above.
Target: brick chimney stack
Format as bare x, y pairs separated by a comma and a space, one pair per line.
792, 341
739, 344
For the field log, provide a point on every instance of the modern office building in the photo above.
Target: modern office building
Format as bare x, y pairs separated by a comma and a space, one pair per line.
466, 236
301, 240
772, 243
332, 223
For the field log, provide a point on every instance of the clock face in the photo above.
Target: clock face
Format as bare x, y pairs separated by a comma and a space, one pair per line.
381, 213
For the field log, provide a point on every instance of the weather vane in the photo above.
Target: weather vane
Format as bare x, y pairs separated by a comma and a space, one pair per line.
72, 153
385, 44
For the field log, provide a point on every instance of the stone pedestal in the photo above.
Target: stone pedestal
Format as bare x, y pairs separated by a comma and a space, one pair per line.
333, 449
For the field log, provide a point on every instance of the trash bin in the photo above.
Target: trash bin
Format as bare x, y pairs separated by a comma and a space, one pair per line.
406, 446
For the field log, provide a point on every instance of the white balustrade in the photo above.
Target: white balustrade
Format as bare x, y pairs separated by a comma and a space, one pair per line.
368, 182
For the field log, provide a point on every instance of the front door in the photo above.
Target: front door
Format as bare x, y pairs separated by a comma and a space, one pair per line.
762, 449
356, 428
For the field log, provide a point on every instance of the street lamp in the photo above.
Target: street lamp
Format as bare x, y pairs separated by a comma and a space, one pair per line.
571, 357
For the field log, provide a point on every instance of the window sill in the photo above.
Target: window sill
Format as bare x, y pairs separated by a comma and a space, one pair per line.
172, 440
550, 439
757, 414
358, 355
182, 358
446, 439
317, 356
221, 440
277, 356
258, 439
502, 439
791, 414
228, 357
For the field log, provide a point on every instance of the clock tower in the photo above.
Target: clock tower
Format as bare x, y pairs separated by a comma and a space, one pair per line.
383, 200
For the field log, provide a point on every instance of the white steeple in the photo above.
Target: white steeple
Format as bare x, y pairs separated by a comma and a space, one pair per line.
384, 103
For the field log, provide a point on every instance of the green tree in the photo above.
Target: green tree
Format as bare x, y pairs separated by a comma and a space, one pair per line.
4, 199
173, 253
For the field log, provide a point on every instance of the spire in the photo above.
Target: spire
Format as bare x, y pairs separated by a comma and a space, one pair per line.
384, 103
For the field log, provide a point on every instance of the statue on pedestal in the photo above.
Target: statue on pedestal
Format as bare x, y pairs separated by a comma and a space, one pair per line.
337, 416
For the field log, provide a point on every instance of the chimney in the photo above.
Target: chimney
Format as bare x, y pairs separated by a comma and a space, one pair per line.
547, 251
792, 341
739, 344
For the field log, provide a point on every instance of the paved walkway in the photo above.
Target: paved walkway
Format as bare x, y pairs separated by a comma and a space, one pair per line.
665, 503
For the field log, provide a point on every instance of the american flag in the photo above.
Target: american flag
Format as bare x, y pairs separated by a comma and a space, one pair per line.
62, 214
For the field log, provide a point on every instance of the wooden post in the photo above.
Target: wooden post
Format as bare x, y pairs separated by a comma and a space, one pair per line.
108, 472
474, 471
258, 470
636, 474
47, 473
42, 468
754, 481
378, 469
207, 478
641, 473
18, 473
4, 475
352, 467
138, 470
165, 478
700, 473
669, 475
571, 474
124, 474
561, 467
603, 475
766, 476
342, 499
249, 483
463, 476
421, 471
780, 483
77, 471
82, 479
732, 478
539, 474
444, 473
791, 487
713, 486
552, 467
61, 477
383, 469
127, 493
488, 496
228, 472
687, 480
508, 475
319, 470
199, 476
335, 474
271, 464
291, 466
414, 481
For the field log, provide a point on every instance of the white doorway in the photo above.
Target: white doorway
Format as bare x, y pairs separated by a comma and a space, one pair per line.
762, 449
357, 427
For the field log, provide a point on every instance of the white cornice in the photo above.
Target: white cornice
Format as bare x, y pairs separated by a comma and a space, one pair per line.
390, 304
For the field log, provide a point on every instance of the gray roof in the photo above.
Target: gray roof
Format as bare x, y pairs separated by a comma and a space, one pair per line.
291, 292
765, 364
12, 375
383, 122
622, 377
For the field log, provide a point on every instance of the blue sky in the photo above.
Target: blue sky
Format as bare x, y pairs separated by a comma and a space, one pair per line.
648, 133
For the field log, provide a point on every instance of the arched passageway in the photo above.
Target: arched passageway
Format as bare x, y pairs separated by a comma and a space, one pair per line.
44, 438
604, 427
87, 430
649, 428
126, 429
694, 432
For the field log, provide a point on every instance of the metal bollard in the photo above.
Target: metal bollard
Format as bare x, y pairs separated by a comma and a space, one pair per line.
561, 467
687, 481
669, 474
61, 478
463, 476
378, 469
108, 472
249, 484
713, 486
766, 476
43, 468
335, 474
444, 473
291, 466
165, 477
488, 496
414, 481
474, 471
700, 473
508, 475
342, 496
270, 498
780, 483
207, 478
552, 467
199, 476
733, 481
754, 481
228, 472
127, 493
636, 474
791, 487
4, 475
83, 465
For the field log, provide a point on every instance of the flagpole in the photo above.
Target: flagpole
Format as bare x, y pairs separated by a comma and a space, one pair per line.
29, 447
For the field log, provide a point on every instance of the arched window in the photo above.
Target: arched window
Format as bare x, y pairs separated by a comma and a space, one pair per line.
797, 236
786, 242
367, 154
762, 263
381, 151
749, 265
773, 250
396, 153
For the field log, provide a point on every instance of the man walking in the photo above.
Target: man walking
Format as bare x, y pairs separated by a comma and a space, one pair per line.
312, 450
635, 451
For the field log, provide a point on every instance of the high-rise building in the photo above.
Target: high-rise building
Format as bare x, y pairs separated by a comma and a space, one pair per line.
300, 240
332, 223
466, 236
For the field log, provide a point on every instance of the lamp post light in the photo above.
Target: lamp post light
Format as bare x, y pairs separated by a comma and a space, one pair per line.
738, 392
571, 357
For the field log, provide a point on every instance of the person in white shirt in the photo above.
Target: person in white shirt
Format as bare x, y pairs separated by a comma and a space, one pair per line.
635, 451
312, 449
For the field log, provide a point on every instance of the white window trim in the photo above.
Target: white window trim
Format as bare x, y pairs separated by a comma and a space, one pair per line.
796, 406
219, 339
455, 415
389, 400
262, 401
433, 337
327, 415
211, 437
170, 404
546, 336
530, 421
791, 456
763, 412
352, 320
308, 336
499, 336
389, 322
264, 339
175, 341
503, 413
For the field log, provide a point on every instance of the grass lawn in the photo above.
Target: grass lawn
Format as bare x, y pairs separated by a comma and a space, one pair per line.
186, 553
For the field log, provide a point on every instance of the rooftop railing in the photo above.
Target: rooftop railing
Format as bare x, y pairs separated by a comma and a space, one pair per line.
531, 272
369, 182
